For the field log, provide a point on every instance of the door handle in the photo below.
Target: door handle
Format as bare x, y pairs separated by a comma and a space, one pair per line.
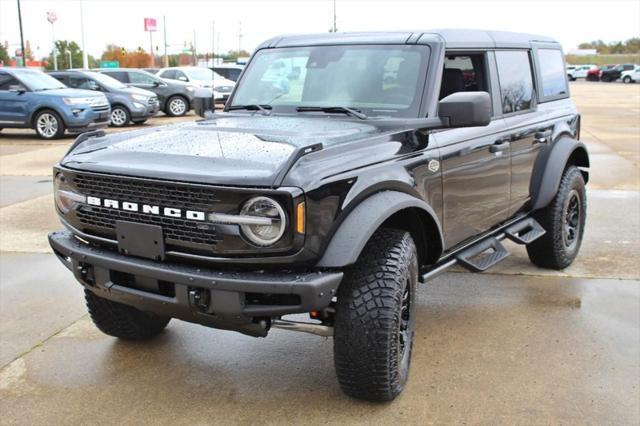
499, 146
541, 136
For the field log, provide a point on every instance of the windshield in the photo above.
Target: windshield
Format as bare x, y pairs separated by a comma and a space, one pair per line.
201, 74
106, 80
383, 80
37, 81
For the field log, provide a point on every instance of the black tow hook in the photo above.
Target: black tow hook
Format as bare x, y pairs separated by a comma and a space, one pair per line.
200, 298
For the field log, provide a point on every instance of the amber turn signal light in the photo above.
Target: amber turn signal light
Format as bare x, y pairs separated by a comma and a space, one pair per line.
300, 218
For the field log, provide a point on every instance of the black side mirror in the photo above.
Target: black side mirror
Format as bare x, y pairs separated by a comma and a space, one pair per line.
466, 109
203, 103
156, 83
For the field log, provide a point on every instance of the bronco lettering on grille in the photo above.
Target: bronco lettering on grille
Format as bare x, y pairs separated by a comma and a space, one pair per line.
146, 208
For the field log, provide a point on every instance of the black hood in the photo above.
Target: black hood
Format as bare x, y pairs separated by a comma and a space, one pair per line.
228, 150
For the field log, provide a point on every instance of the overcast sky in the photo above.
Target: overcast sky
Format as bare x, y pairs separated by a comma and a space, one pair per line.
121, 22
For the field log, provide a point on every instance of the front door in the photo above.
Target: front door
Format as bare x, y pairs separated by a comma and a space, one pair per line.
13, 103
475, 161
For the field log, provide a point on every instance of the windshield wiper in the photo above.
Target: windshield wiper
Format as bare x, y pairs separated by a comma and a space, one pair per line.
336, 109
264, 109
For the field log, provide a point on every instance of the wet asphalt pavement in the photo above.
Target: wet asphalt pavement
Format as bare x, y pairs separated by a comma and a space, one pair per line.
517, 345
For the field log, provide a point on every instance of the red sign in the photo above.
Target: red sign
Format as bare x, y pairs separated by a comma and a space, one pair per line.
150, 24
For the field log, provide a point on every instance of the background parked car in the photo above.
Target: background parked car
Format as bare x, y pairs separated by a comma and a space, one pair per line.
152, 70
33, 99
229, 71
200, 77
127, 103
175, 97
580, 71
614, 73
631, 76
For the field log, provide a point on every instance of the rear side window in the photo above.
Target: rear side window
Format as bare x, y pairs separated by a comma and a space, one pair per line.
516, 83
170, 74
552, 73
121, 76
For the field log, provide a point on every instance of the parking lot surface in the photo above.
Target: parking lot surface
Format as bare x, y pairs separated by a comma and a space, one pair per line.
517, 345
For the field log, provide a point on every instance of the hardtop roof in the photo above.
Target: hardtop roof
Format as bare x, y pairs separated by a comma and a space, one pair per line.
452, 38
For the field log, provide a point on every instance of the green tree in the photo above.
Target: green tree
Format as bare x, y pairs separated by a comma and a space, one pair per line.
63, 47
4, 55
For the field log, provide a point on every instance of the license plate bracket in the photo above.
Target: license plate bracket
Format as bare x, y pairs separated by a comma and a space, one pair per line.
140, 239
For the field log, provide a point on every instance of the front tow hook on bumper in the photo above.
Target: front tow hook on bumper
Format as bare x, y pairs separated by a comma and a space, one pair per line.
304, 327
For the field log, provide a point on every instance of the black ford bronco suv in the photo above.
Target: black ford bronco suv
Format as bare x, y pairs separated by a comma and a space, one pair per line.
344, 170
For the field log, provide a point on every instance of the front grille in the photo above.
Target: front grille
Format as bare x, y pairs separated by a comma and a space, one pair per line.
100, 108
163, 194
174, 229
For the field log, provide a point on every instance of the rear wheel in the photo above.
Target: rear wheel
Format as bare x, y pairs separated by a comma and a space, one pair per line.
564, 220
123, 321
375, 318
49, 125
120, 116
177, 106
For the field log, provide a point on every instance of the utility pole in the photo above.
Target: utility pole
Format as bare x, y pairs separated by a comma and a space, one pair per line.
85, 57
153, 58
70, 59
334, 29
164, 28
195, 50
213, 43
24, 59
239, 40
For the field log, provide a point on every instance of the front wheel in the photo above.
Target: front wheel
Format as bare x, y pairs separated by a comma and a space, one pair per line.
564, 220
123, 321
119, 116
49, 125
375, 318
627, 79
177, 106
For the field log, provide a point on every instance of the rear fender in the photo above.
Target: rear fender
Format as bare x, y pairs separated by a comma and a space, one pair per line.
550, 165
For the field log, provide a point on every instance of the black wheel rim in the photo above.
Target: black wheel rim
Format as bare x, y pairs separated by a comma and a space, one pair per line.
571, 220
405, 320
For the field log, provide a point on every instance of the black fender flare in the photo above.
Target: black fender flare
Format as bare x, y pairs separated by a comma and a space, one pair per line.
360, 224
549, 166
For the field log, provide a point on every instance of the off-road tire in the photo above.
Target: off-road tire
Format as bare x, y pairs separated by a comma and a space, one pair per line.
373, 299
551, 250
123, 321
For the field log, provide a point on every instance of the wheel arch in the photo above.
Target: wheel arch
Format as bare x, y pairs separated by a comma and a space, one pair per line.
41, 108
390, 209
550, 165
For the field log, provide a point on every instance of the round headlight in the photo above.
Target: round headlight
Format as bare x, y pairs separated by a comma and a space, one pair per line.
267, 234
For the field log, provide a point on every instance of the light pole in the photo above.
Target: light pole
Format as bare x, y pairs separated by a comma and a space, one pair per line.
70, 60
24, 59
85, 57
164, 29
52, 17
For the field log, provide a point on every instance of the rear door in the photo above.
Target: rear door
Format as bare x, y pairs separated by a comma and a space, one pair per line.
475, 161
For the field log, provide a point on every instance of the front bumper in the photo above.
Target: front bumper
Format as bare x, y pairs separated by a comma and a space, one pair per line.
142, 110
86, 120
179, 290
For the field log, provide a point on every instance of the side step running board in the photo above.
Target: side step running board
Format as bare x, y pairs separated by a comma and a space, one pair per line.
486, 252
482, 256
525, 232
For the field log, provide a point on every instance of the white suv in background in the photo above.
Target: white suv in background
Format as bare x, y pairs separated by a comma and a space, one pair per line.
578, 71
631, 76
200, 77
